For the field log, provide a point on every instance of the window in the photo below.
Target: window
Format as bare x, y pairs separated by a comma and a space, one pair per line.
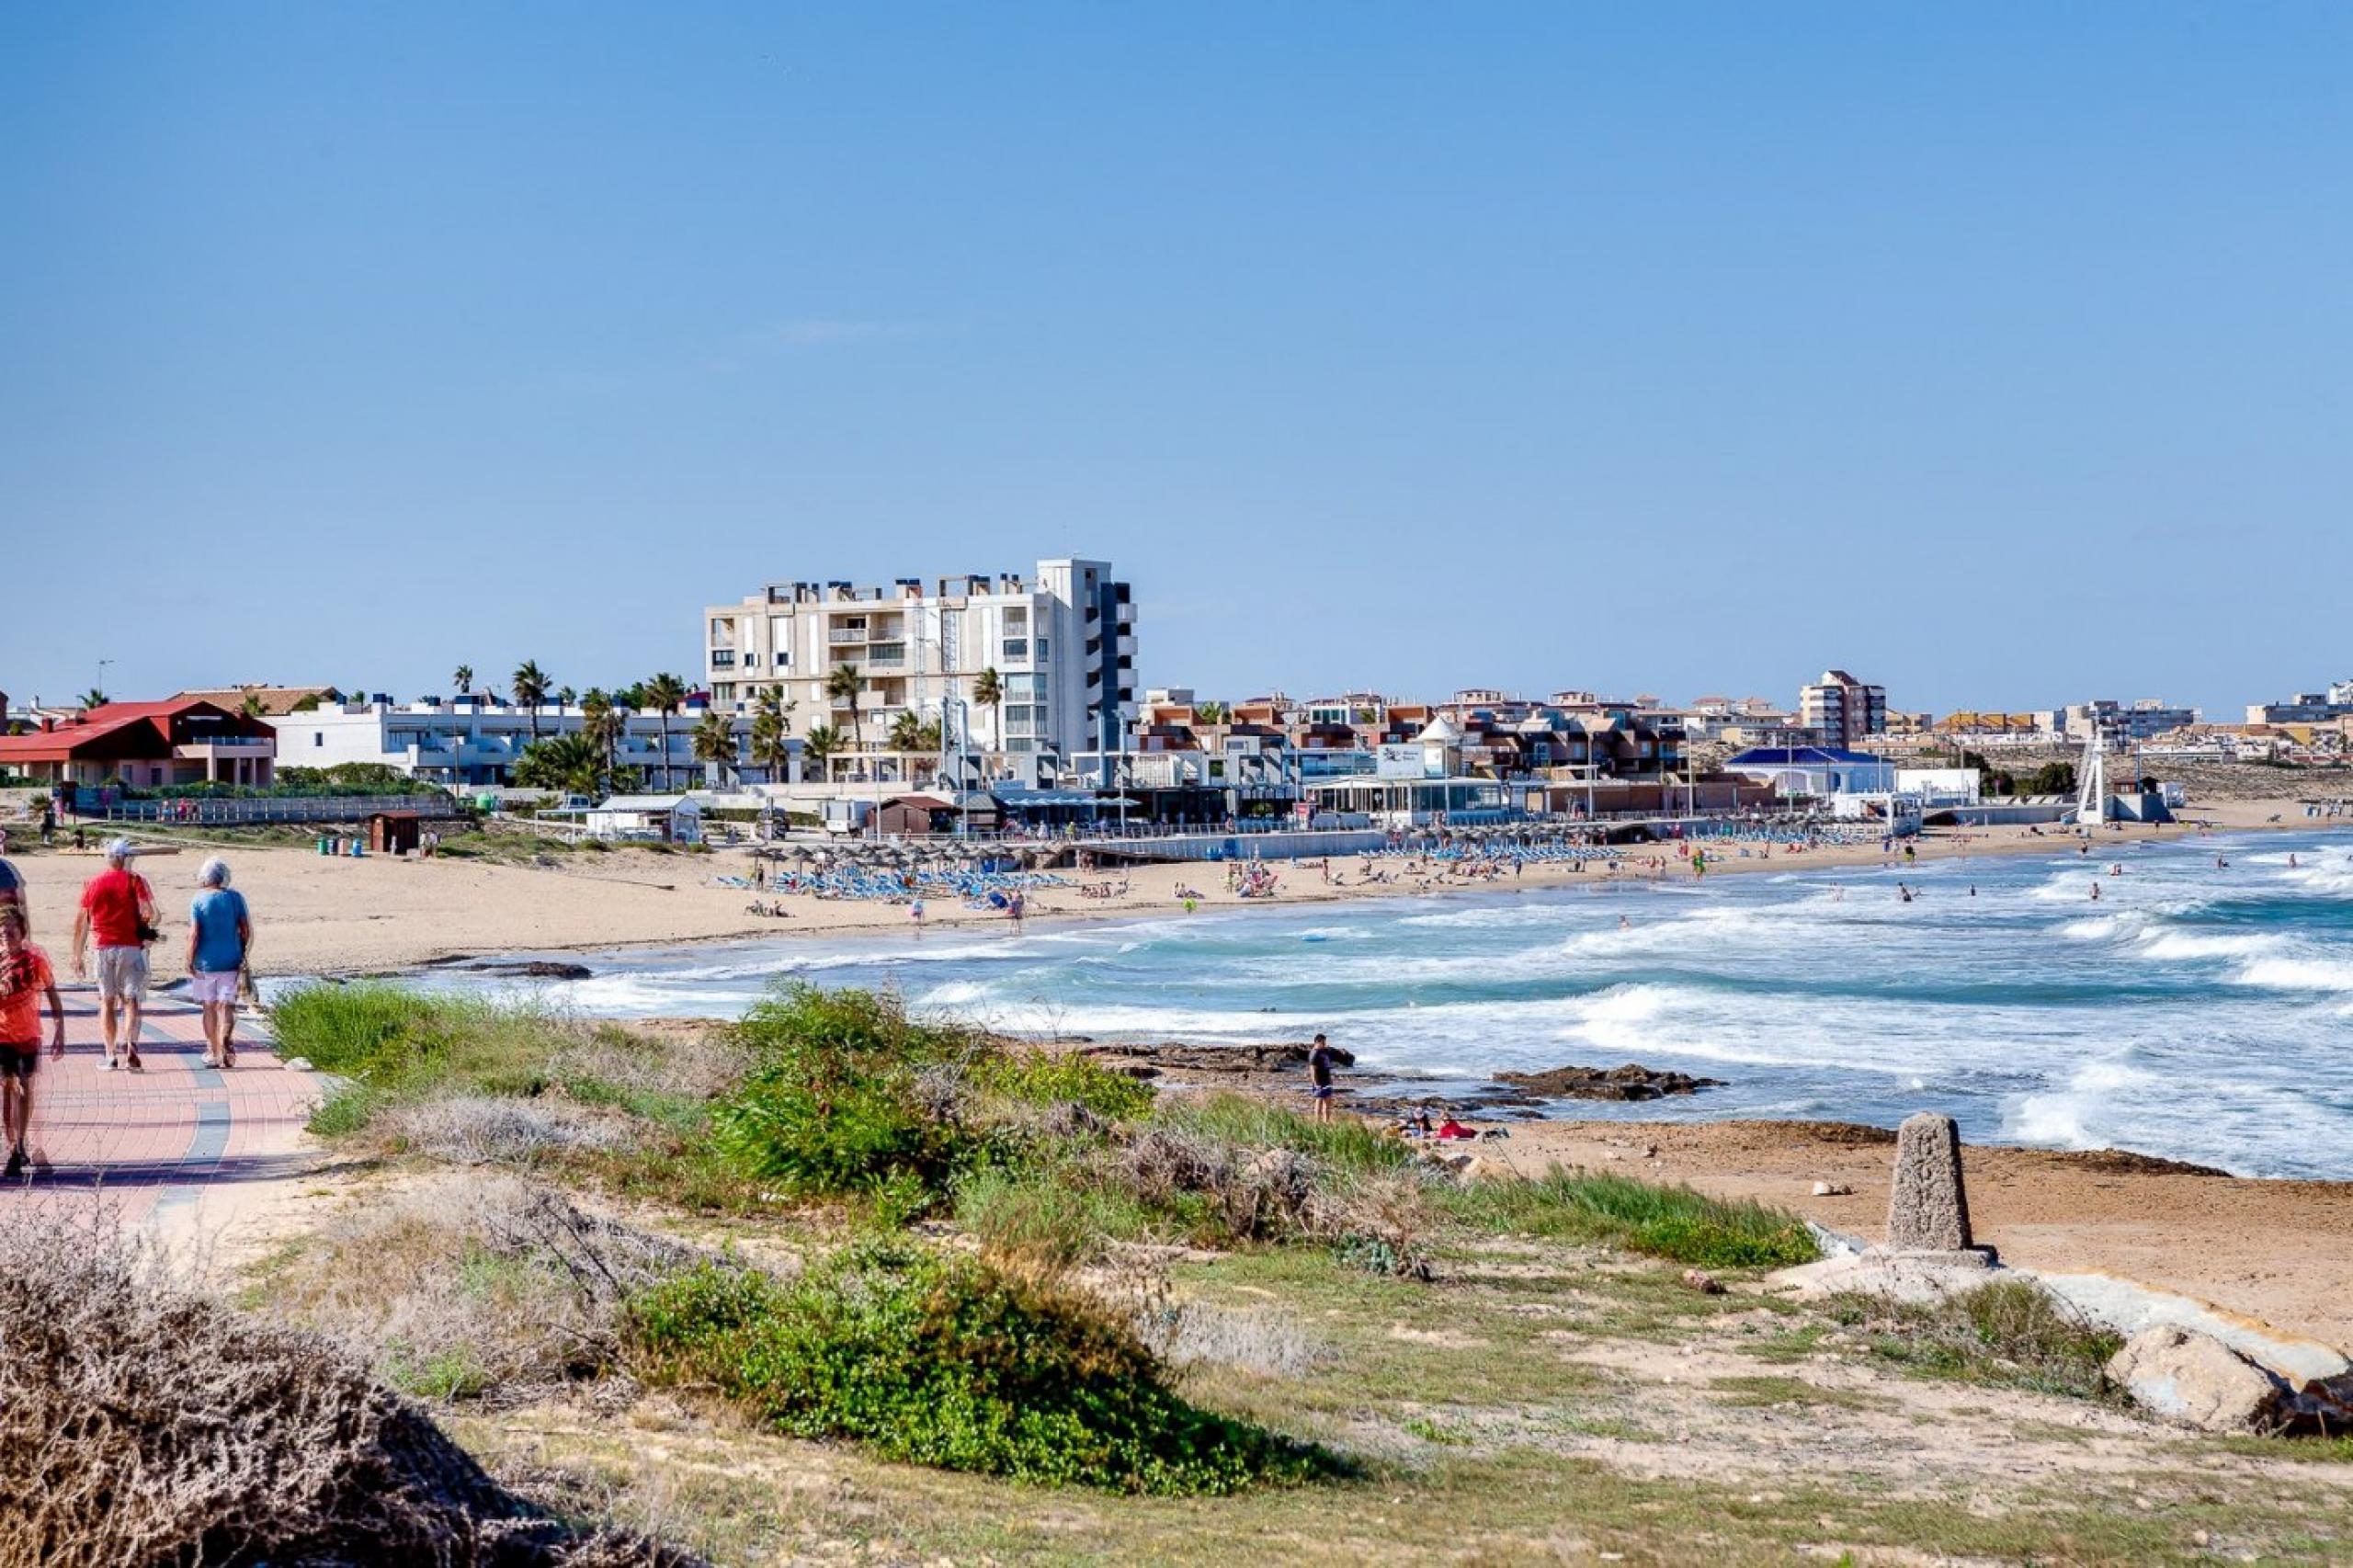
1042, 650
318, 737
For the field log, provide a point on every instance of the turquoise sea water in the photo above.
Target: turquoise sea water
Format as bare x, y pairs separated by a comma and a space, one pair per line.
2195, 1011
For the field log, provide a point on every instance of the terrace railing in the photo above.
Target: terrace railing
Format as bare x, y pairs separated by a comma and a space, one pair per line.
260, 809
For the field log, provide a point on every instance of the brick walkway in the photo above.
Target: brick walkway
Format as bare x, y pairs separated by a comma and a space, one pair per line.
153, 1143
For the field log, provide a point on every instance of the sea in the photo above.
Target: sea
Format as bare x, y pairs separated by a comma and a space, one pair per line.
2200, 1009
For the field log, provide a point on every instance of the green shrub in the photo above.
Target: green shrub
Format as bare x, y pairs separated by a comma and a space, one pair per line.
1344, 1145
945, 1360
394, 1043
1045, 1217
847, 1094
1042, 1077
1673, 1222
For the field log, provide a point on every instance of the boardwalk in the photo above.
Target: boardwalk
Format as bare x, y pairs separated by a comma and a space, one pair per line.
172, 1144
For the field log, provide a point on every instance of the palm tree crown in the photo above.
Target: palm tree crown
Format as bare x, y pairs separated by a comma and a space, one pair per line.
822, 743
462, 678
715, 742
531, 690
842, 686
771, 721
663, 693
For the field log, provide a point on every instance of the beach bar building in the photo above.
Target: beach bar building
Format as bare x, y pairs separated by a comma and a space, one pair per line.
1408, 803
668, 819
1816, 771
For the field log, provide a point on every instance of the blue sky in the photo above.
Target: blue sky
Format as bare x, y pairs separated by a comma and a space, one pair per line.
2001, 353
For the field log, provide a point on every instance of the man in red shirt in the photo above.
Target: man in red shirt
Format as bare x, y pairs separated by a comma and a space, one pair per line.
118, 908
25, 977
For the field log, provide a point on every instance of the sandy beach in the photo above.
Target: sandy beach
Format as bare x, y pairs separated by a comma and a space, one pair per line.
323, 915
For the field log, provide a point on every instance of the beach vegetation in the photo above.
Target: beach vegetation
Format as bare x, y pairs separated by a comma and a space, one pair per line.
2008, 1333
945, 1359
1672, 1222
665, 694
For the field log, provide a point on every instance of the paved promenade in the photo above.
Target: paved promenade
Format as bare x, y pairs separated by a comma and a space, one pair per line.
171, 1144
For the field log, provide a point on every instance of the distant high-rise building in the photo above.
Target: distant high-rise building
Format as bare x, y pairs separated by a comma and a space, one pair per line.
1842, 709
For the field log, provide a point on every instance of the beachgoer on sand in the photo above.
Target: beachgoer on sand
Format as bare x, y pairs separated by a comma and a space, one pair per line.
25, 979
1319, 1077
119, 910
220, 946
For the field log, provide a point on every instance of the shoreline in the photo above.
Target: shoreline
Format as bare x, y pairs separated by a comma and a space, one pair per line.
342, 918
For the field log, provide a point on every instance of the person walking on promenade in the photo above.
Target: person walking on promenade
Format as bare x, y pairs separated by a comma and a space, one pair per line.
25, 979
119, 909
220, 946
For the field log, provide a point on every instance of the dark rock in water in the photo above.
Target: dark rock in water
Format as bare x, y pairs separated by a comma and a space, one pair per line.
536, 969
1244, 1059
1628, 1083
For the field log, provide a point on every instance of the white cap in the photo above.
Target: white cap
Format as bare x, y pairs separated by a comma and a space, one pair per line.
122, 849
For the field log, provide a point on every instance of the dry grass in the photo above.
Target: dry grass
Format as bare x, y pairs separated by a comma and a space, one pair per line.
142, 1426
483, 1129
474, 1289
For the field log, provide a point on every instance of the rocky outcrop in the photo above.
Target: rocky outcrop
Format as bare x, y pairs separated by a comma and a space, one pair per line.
1632, 1081
2197, 1380
534, 969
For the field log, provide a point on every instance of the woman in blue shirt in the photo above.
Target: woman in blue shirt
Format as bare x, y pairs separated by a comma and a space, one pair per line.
220, 943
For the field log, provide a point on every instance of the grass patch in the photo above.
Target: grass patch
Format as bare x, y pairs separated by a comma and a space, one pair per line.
1673, 1222
946, 1361
2009, 1333
1041, 1217
1758, 1392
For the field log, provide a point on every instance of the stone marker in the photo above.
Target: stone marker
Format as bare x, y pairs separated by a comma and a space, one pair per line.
1926, 1210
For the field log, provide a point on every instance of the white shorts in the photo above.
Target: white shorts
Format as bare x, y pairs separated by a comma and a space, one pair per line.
209, 986
123, 974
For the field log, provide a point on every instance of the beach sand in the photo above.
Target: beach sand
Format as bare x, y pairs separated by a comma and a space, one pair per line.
2280, 1252
321, 915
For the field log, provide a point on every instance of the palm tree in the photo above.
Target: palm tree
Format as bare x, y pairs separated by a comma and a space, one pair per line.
663, 693
714, 742
770, 724
988, 690
601, 723
822, 743
928, 735
251, 706
1208, 712
842, 686
906, 731
531, 690
462, 678
93, 698
565, 697
569, 764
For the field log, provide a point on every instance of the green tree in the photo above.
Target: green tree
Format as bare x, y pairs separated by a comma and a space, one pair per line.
1210, 713
601, 722
569, 765
821, 746
251, 706
906, 731
714, 742
988, 690
462, 678
665, 693
531, 690
771, 722
842, 686
928, 736
93, 698
565, 697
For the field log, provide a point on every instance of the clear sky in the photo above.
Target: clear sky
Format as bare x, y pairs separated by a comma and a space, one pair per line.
1998, 352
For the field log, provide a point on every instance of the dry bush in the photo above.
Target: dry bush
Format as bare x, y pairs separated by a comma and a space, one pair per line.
478, 1129
693, 1063
1197, 1334
476, 1289
1256, 1194
139, 1425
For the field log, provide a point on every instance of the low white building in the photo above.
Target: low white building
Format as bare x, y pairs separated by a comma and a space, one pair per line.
671, 818
466, 743
1815, 770
1940, 785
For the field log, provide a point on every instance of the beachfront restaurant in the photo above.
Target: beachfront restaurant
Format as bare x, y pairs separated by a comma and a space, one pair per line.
666, 819
1409, 802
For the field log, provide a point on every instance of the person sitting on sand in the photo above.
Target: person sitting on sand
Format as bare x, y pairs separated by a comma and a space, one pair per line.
1450, 1127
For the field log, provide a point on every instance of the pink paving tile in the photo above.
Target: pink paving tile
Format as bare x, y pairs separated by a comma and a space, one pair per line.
155, 1139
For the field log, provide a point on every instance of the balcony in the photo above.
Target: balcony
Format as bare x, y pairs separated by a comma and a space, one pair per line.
839, 635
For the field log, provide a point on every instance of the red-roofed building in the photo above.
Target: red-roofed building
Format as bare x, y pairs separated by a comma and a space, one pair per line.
147, 744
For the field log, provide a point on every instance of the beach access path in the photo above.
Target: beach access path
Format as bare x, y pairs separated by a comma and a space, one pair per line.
181, 1150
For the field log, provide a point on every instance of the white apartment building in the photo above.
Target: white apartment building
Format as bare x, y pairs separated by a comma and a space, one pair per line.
1843, 710
1062, 645
2118, 725
470, 743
